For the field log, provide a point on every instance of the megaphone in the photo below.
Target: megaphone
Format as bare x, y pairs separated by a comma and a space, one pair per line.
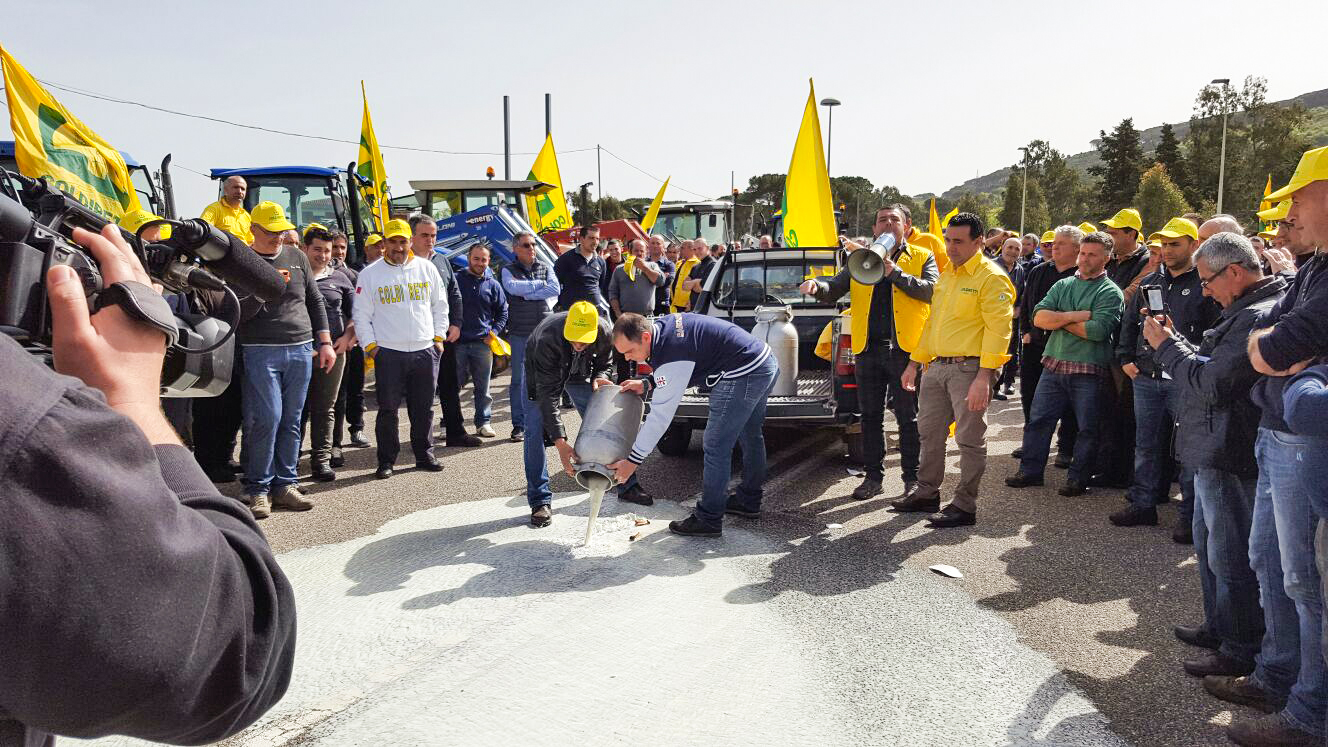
867, 265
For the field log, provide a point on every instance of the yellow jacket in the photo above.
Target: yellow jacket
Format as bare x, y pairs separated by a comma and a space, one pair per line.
909, 313
970, 315
682, 297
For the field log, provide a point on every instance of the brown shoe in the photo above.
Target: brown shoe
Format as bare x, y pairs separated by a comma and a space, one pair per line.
1270, 731
261, 506
1214, 662
291, 499
911, 504
1239, 690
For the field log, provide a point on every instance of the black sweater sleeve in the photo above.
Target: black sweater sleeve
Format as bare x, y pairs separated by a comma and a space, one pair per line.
313, 300
135, 599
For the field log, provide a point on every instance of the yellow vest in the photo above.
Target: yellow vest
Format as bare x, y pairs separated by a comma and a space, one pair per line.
909, 313
682, 297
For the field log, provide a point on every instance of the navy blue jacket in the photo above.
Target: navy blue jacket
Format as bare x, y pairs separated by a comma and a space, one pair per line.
1301, 333
484, 303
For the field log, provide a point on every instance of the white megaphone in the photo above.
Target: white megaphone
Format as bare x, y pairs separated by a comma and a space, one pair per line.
867, 265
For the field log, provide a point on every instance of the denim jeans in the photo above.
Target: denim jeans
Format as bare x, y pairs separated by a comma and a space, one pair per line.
533, 450
276, 381
1282, 555
516, 394
1223, 512
475, 361
1083, 394
1156, 409
737, 412
879, 367
1030, 373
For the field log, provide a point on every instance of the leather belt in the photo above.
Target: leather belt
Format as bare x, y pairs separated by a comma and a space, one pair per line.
956, 359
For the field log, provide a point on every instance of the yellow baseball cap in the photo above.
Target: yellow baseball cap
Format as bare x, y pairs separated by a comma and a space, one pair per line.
1087, 227
1276, 212
311, 227
271, 217
582, 323
373, 238
1313, 167
1155, 243
134, 220
1127, 218
397, 228
1048, 237
1175, 228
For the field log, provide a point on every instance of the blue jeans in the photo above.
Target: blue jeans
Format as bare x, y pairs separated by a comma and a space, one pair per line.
1282, 555
1223, 512
276, 381
1156, 407
516, 394
1083, 394
533, 449
737, 412
475, 361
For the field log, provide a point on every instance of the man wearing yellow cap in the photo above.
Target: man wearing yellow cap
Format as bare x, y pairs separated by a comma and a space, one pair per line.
571, 350
400, 315
134, 220
228, 213
279, 345
373, 248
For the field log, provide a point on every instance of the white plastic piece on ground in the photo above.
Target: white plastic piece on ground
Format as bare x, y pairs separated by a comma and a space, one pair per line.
834, 526
946, 570
855, 472
597, 484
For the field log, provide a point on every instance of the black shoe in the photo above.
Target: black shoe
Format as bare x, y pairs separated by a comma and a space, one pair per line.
430, 465
1072, 489
357, 438
735, 507
541, 516
1183, 534
951, 516
692, 527
337, 459
912, 504
999, 396
1133, 516
1008, 390
1021, 480
1018, 453
1239, 690
518, 435
323, 473
383, 472
465, 439
1104, 481
1195, 635
1212, 662
868, 489
1063, 461
636, 495
219, 475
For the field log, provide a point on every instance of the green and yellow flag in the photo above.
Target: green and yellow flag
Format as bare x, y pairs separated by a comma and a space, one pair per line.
369, 165
809, 213
648, 222
51, 143
547, 209
933, 222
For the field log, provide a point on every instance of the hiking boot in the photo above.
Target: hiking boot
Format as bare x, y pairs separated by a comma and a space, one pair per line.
357, 438
636, 494
734, 506
485, 431
261, 506
868, 489
1021, 480
541, 516
1239, 690
1133, 516
692, 527
291, 499
1270, 731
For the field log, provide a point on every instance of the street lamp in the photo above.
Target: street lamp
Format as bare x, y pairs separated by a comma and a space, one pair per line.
1222, 159
830, 105
1023, 201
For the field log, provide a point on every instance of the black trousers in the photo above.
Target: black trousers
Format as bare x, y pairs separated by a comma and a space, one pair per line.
1030, 372
409, 376
449, 394
350, 399
216, 421
878, 369
1115, 455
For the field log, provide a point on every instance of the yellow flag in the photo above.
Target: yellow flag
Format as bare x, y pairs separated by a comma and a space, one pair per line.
946, 221
369, 165
547, 210
809, 213
51, 143
933, 222
649, 221
1267, 190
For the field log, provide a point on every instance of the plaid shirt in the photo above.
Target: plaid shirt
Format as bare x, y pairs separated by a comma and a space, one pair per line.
1057, 366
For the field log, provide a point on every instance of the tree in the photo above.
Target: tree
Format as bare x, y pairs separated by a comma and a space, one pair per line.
1168, 154
981, 204
1035, 214
1068, 194
1159, 199
1122, 165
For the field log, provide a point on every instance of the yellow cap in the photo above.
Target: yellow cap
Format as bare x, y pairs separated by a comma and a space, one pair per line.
582, 323
1313, 167
373, 238
1155, 243
134, 220
311, 227
1175, 228
271, 217
397, 228
1087, 227
1276, 212
1048, 237
1127, 218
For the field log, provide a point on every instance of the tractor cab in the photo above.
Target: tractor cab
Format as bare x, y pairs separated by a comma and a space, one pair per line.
307, 194
446, 198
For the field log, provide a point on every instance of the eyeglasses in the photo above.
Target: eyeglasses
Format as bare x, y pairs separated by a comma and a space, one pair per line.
526, 245
1216, 275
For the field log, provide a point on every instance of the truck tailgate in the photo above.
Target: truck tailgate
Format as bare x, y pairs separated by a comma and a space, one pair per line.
812, 402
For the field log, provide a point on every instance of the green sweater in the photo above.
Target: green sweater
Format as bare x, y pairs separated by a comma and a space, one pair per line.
1100, 296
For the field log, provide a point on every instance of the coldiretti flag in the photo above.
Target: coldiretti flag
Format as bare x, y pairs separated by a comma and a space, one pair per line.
548, 209
946, 221
648, 222
369, 165
933, 222
809, 214
52, 144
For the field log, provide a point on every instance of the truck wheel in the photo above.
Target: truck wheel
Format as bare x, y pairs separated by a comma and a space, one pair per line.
675, 440
853, 442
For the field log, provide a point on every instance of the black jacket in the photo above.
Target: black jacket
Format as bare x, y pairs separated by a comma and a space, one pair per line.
1037, 282
1218, 420
1300, 332
134, 598
1123, 271
551, 363
1191, 312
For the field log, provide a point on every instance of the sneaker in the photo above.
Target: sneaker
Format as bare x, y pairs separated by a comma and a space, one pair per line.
541, 516
1021, 480
518, 435
636, 494
868, 489
692, 527
291, 499
260, 505
735, 507
1133, 516
485, 431
357, 438
1272, 730
1239, 690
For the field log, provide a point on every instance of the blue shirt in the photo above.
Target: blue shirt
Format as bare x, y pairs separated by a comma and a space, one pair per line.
580, 280
484, 305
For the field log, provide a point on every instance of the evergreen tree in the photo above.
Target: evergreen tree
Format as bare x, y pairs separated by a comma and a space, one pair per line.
1158, 199
1035, 214
1122, 165
1168, 154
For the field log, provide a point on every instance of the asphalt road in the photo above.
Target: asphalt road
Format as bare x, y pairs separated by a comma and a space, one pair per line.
1092, 602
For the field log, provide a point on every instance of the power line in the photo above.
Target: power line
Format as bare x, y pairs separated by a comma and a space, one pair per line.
652, 176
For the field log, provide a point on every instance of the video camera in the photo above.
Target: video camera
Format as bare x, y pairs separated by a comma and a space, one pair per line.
36, 228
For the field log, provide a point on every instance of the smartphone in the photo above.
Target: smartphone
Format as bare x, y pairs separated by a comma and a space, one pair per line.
1155, 300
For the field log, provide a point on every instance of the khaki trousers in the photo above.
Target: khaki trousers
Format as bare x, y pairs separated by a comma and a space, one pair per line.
943, 399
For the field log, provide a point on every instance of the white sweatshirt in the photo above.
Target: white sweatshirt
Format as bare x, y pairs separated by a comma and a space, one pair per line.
400, 307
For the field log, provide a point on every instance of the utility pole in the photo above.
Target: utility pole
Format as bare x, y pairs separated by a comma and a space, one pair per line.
1023, 202
599, 177
1222, 159
507, 140
548, 114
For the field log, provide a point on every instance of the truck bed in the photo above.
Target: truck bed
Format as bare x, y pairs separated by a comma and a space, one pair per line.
811, 403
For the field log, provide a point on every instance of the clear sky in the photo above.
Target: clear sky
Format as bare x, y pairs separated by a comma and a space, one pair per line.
933, 93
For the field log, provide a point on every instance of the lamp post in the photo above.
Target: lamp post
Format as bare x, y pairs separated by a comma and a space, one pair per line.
1023, 201
1222, 159
830, 105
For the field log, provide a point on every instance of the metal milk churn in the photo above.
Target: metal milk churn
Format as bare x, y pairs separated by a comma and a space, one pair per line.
774, 326
607, 432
